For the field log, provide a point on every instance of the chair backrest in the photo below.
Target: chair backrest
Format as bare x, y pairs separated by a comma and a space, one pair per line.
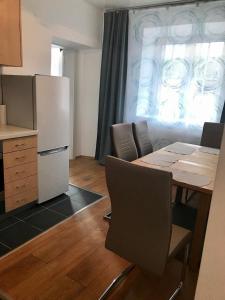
123, 141
141, 224
212, 135
142, 138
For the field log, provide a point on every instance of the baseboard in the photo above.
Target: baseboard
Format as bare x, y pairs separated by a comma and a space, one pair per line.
84, 156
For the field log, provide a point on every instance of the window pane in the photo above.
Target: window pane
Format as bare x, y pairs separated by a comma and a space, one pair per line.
56, 60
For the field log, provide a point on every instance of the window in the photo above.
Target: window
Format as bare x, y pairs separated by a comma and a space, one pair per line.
176, 70
56, 60
189, 87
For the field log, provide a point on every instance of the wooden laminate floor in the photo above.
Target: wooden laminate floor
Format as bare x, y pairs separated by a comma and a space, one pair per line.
70, 260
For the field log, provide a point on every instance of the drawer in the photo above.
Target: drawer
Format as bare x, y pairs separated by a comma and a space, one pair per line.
21, 199
20, 186
19, 158
23, 143
20, 172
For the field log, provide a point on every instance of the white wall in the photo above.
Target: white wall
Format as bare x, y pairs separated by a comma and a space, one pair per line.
87, 101
70, 71
212, 271
72, 20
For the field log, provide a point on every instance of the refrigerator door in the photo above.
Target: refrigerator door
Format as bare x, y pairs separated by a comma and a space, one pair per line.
53, 173
52, 111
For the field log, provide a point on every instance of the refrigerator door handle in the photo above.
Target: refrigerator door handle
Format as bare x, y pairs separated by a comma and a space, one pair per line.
53, 151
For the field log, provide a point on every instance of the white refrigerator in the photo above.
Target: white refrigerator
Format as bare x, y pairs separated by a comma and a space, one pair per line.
42, 103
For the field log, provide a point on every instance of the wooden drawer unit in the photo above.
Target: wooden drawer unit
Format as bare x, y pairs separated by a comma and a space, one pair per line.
20, 172
21, 199
17, 158
24, 143
20, 186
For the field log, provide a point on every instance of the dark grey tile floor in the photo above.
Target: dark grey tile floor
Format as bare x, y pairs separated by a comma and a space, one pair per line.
20, 227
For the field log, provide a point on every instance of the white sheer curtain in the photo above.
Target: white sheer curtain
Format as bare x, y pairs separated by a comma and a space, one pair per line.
176, 70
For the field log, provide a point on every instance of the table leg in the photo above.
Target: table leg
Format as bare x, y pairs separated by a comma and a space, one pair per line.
199, 231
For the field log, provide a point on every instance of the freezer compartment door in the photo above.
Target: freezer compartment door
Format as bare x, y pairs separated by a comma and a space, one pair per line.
53, 173
52, 111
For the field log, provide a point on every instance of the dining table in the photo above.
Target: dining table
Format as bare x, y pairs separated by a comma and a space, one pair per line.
193, 167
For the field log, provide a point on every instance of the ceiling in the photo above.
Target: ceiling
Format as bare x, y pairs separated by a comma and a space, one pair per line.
123, 3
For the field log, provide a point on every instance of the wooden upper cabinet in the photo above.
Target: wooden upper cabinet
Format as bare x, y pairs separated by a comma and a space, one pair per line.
10, 33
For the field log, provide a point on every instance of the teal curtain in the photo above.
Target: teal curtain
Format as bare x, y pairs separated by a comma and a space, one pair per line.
113, 79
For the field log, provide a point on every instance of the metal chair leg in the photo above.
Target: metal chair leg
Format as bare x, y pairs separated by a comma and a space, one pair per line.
116, 282
183, 273
176, 292
185, 262
119, 278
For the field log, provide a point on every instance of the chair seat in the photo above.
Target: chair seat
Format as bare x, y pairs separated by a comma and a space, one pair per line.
179, 238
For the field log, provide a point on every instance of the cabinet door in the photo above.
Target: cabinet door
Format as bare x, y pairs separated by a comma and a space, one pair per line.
10, 33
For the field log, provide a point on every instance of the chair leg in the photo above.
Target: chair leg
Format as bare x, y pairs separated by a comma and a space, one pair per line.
176, 292
116, 282
179, 194
186, 195
124, 273
185, 262
183, 273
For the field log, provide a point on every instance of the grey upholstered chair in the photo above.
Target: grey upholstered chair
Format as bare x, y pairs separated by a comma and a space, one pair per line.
212, 135
141, 229
123, 141
124, 146
142, 138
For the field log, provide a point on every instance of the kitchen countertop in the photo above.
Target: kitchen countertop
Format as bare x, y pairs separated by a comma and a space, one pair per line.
11, 132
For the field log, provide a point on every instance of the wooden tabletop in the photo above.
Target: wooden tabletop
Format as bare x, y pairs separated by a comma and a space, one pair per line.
195, 163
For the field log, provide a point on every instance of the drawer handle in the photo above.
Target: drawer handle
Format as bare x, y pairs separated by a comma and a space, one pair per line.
20, 145
21, 186
21, 157
20, 172
21, 200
